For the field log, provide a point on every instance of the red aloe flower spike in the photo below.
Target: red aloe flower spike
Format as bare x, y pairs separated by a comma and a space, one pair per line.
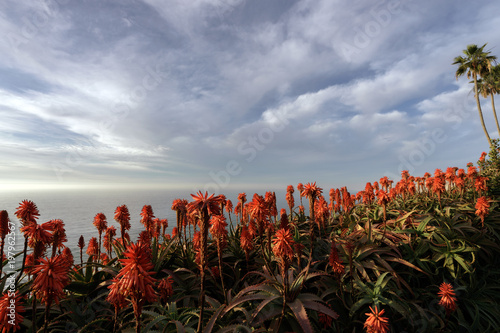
144, 237
164, 226
11, 303
482, 208
375, 323
311, 191
101, 224
58, 235
134, 281
368, 195
180, 207
4, 224
325, 320
259, 210
81, 245
51, 276
448, 299
289, 198
39, 236
270, 200
4, 230
229, 206
122, 216
383, 200
219, 233
480, 184
300, 188
284, 220
246, 241
68, 257
166, 288
283, 246
335, 261
108, 239
322, 212
147, 217
27, 212
92, 249
203, 206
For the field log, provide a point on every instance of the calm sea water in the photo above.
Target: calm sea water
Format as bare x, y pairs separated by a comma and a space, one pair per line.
77, 208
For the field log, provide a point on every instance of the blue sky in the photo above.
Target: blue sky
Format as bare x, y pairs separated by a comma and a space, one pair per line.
217, 94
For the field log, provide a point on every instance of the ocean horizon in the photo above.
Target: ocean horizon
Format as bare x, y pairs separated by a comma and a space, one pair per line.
77, 207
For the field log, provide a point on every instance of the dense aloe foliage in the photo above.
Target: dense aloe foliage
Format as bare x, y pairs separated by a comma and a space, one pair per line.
418, 254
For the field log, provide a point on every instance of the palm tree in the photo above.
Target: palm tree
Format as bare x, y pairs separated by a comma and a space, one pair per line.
489, 84
476, 63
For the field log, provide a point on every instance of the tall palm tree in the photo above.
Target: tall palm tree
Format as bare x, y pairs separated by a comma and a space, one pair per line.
489, 84
476, 63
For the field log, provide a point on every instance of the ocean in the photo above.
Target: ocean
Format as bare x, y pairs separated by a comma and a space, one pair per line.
77, 208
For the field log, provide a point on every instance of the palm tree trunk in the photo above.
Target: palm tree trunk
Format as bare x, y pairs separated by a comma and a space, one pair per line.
479, 109
495, 112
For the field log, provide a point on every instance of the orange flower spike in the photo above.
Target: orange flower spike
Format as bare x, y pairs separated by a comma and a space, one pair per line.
483, 156
135, 276
335, 261
270, 200
480, 184
284, 219
383, 198
108, 238
311, 189
147, 217
81, 242
450, 174
375, 323
92, 249
218, 228
246, 240
203, 201
482, 208
122, 216
58, 235
27, 212
471, 172
11, 303
368, 195
166, 288
51, 276
229, 206
242, 197
68, 256
289, 197
283, 244
448, 299
100, 222
4, 224
38, 233
4, 230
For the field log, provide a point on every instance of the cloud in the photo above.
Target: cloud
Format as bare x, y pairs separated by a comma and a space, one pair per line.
144, 90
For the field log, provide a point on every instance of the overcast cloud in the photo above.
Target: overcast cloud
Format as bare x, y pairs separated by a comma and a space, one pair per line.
217, 93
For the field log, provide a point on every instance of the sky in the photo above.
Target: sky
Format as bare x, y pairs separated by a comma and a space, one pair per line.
221, 94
